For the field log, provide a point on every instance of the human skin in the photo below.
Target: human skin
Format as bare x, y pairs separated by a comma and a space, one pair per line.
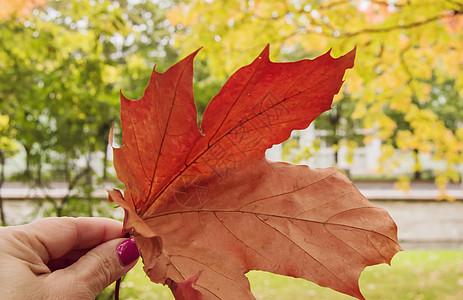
63, 258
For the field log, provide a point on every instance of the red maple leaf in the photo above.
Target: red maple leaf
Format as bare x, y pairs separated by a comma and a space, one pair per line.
208, 201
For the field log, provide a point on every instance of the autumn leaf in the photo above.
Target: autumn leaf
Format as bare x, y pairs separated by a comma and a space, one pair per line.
206, 201
184, 290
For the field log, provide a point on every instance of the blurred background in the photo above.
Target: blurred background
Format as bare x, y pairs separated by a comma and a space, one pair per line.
396, 128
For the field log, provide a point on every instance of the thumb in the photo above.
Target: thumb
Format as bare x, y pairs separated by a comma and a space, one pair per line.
99, 267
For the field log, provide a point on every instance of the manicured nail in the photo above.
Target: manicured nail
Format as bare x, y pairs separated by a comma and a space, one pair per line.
127, 252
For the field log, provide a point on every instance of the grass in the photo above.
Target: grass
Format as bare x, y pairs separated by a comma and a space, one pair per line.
417, 275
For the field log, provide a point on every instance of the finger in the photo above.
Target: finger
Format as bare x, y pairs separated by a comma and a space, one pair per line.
66, 260
97, 269
54, 237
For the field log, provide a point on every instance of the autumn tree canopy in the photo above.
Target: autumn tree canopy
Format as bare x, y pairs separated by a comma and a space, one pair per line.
61, 71
407, 50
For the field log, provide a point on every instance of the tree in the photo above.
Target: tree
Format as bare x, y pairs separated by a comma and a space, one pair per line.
335, 129
63, 66
8, 148
401, 45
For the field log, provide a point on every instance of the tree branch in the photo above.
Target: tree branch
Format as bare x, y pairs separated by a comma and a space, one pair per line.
334, 4
386, 4
456, 2
400, 27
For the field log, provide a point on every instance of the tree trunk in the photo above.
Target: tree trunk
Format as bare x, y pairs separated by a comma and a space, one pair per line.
39, 173
417, 171
105, 163
90, 185
88, 172
27, 171
59, 208
334, 119
2, 180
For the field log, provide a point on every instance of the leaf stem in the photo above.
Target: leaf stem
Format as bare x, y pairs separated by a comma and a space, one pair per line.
116, 289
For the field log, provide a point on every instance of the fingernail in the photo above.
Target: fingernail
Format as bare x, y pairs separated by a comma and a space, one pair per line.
127, 252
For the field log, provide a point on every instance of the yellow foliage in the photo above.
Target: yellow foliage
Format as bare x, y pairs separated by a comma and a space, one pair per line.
403, 184
441, 183
351, 145
387, 161
4, 121
8, 145
401, 47
307, 152
406, 140
287, 147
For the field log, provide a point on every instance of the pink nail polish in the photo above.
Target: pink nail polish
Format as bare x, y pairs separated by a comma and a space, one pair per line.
127, 252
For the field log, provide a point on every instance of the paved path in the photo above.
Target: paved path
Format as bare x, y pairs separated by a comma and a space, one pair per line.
426, 224
423, 222
371, 190
418, 191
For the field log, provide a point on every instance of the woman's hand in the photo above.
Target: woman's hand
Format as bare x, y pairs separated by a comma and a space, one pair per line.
63, 258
